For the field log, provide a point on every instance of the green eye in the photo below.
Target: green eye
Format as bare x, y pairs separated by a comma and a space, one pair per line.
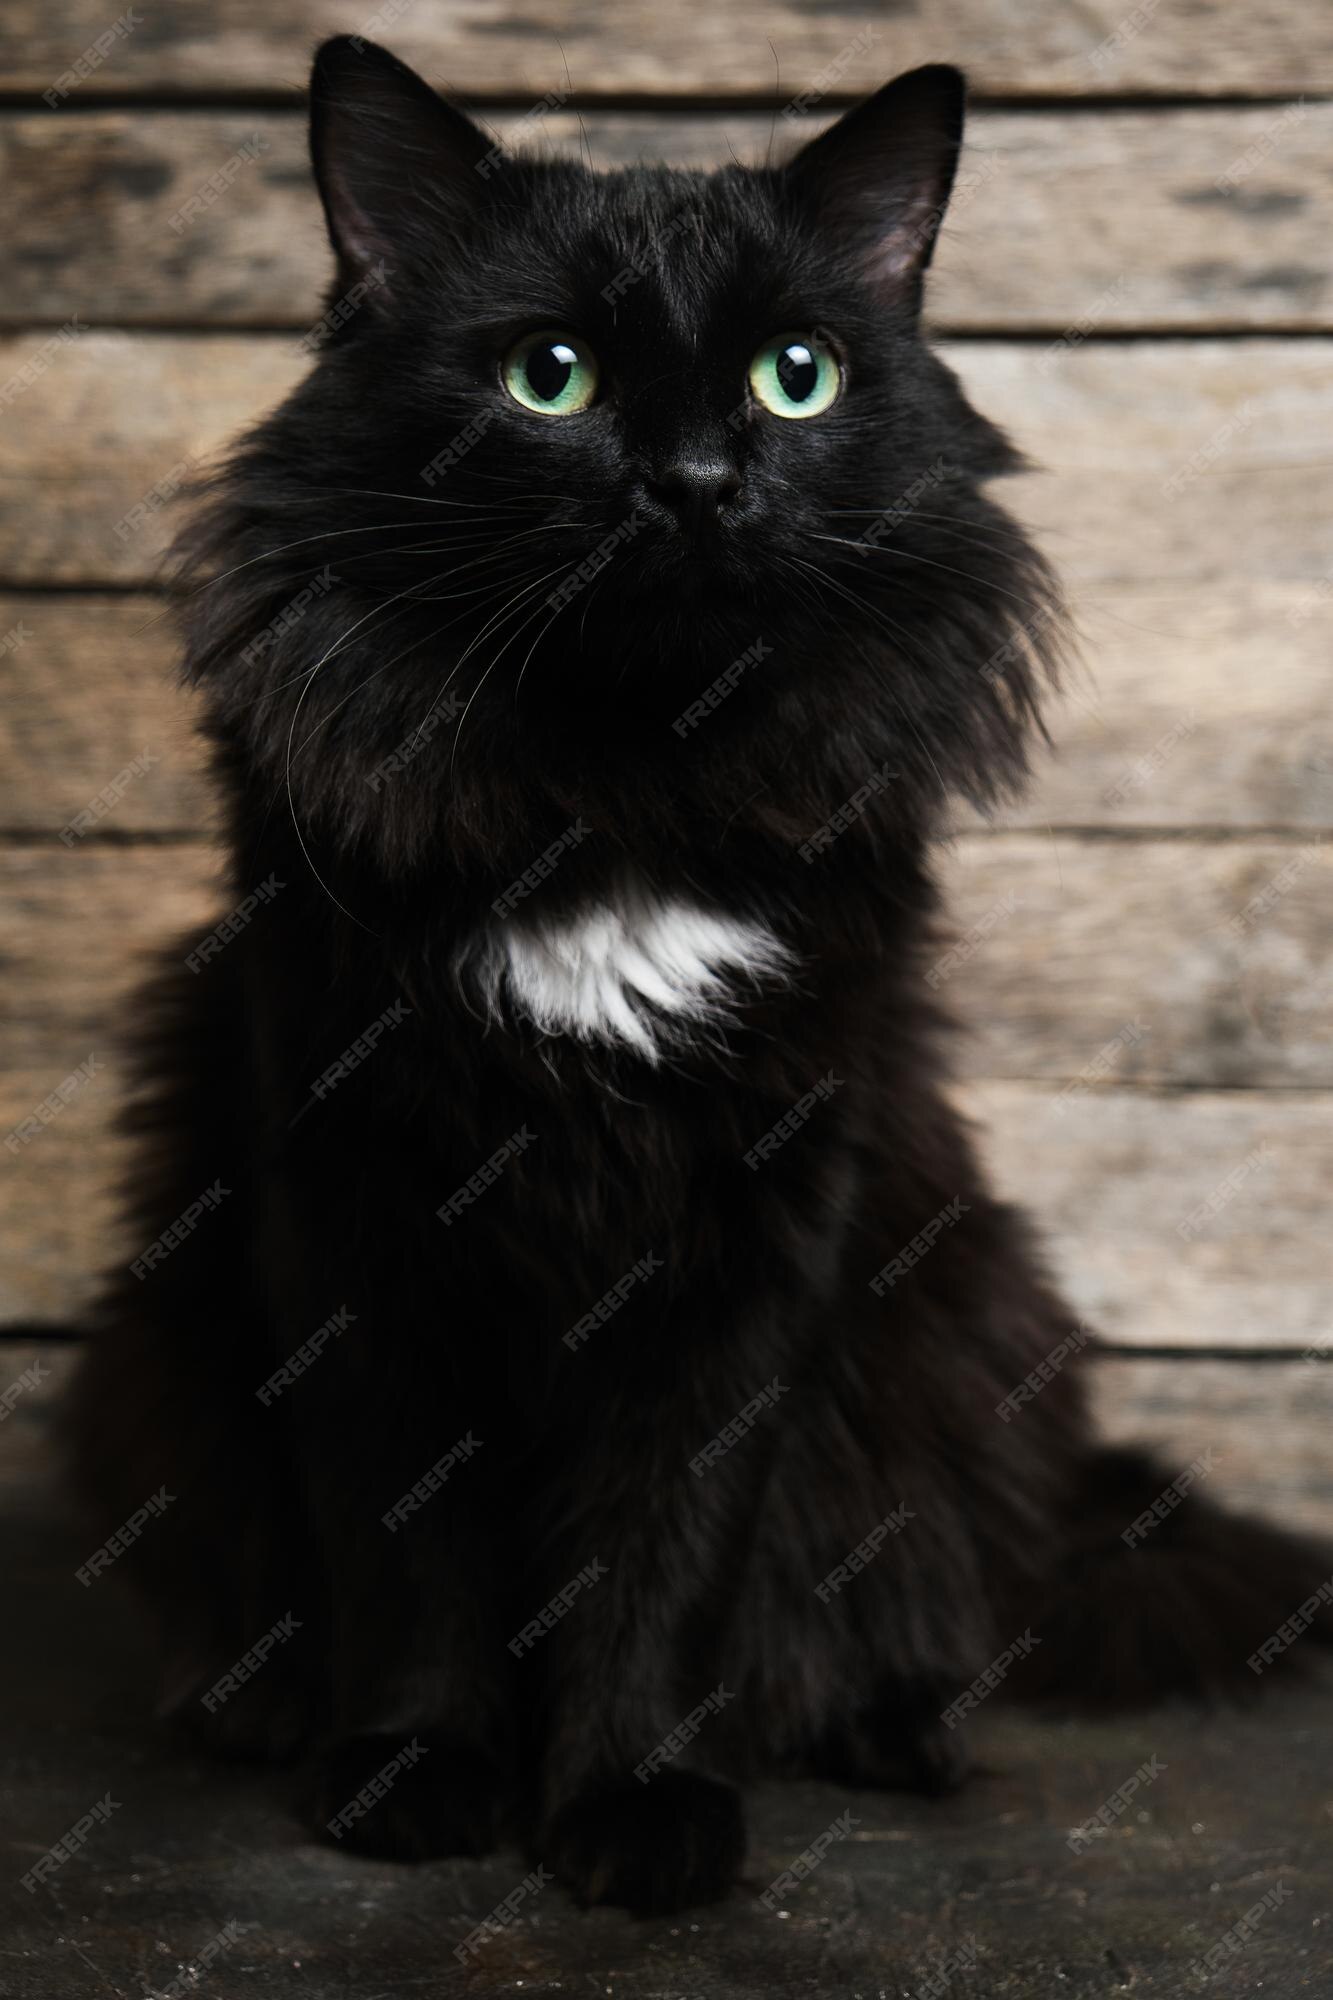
795, 375
555, 373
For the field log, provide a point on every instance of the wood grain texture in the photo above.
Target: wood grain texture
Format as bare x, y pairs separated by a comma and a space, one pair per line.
1073, 47
1058, 219
1193, 462
1194, 710
1112, 1177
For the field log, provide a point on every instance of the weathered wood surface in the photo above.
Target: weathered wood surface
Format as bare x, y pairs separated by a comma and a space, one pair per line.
1193, 710
1067, 47
1238, 1805
1058, 220
1112, 1177
1187, 462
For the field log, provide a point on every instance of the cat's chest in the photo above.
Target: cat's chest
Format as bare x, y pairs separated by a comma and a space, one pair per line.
633, 969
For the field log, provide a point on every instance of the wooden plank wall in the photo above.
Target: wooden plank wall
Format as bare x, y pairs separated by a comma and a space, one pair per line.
1135, 279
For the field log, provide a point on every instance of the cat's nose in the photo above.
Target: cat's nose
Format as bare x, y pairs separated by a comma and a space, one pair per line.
696, 490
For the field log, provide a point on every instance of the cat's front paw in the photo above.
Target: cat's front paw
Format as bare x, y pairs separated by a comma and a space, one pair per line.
675, 1842
408, 1800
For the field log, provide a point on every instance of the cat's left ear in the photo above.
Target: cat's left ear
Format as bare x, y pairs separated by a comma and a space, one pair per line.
396, 166
883, 173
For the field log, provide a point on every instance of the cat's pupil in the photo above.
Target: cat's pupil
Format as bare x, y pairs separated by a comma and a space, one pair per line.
797, 372
549, 368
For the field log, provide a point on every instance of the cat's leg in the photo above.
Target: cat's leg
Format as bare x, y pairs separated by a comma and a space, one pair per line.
659, 1494
399, 1446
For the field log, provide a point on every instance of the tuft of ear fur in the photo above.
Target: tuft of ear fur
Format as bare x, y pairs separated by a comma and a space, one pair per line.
394, 163
884, 171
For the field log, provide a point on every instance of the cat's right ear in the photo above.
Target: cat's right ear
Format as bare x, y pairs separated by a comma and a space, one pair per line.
396, 166
880, 177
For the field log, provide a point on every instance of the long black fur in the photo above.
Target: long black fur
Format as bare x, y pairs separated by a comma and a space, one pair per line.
430, 625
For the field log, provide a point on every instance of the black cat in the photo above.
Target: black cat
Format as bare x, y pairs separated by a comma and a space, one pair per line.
571, 1343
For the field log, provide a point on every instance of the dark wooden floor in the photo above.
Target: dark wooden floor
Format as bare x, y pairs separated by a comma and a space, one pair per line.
1242, 1806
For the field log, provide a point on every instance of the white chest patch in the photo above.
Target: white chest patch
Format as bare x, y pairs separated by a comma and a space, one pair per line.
637, 971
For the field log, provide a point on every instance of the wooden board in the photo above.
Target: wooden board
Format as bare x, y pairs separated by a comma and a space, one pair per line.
1194, 710
1113, 1176
1058, 219
1119, 429
1076, 47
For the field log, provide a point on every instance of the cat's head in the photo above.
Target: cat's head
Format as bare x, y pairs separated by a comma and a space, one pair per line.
638, 493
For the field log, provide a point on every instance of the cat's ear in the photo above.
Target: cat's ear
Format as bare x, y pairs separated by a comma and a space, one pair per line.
883, 173
396, 166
